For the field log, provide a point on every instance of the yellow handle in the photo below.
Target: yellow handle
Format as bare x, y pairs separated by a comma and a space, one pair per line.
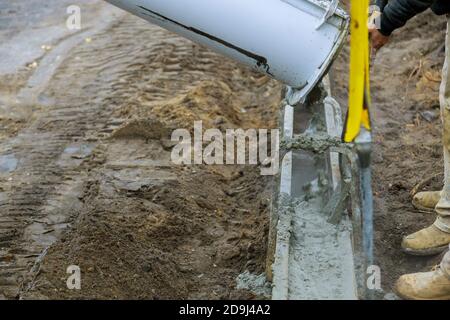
359, 88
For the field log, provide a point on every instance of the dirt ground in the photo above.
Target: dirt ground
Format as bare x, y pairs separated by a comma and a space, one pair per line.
408, 148
86, 170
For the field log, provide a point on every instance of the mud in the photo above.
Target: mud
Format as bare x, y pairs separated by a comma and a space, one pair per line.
93, 185
408, 149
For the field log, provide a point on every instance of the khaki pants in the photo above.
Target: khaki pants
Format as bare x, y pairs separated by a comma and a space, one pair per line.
445, 264
443, 207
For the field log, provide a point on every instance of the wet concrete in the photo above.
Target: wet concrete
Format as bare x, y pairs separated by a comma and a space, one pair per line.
8, 163
314, 258
32, 28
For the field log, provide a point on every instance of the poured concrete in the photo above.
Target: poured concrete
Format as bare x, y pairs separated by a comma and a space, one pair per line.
314, 259
320, 257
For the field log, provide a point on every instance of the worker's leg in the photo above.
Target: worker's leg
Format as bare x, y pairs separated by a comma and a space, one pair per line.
433, 285
426, 201
445, 264
434, 239
443, 206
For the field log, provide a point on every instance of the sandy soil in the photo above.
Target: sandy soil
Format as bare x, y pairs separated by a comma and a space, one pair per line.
89, 172
408, 149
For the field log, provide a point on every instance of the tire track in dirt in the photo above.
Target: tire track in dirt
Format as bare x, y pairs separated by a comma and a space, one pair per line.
99, 86
34, 195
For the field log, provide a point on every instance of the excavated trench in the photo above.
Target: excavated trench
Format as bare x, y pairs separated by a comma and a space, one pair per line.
313, 256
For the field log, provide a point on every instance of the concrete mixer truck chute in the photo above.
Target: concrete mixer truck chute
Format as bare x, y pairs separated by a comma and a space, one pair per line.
293, 41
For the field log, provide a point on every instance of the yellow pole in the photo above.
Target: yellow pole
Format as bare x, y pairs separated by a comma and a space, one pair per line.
359, 86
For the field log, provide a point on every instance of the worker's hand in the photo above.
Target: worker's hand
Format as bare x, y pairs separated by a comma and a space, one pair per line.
377, 39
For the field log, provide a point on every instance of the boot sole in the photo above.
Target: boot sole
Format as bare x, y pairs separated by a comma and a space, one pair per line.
422, 208
425, 252
405, 297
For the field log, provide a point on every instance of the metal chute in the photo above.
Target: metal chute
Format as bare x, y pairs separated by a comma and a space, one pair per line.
293, 41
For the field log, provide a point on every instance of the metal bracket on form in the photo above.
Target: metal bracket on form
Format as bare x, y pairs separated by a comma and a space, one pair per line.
330, 12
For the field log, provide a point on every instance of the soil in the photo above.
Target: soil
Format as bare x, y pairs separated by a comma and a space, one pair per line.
408, 150
93, 180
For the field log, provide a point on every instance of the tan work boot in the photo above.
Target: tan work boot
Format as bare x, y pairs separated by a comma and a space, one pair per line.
433, 285
426, 201
426, 242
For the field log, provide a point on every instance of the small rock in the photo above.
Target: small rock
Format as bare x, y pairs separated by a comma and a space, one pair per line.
218, 121
32, 65
147, 267
46, 47
429, 115
391, 296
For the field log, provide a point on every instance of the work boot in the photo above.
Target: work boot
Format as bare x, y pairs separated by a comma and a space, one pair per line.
426, 242
426, 201
433, 285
